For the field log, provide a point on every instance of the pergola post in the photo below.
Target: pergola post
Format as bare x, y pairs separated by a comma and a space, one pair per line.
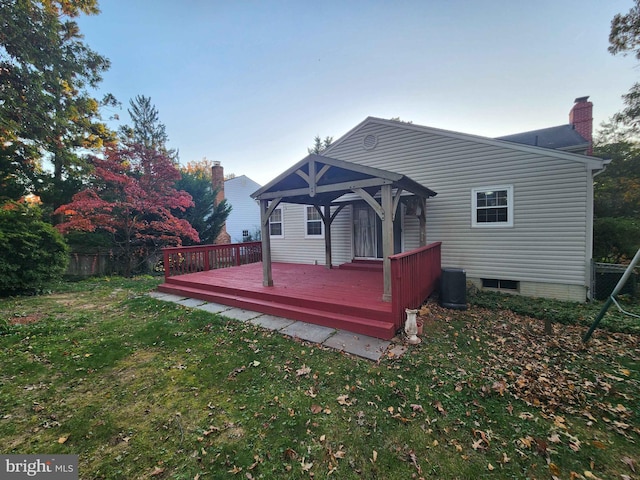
267, 276
326, 219
387, 239
423, 221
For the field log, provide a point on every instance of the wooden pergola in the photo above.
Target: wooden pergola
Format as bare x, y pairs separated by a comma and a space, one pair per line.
320, 181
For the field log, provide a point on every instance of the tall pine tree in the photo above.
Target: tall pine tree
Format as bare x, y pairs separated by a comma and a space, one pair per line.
46, 109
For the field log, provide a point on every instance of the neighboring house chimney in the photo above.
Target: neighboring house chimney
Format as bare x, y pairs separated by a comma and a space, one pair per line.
217, 182
581, 118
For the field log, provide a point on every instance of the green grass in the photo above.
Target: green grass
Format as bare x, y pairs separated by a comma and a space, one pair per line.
140, 388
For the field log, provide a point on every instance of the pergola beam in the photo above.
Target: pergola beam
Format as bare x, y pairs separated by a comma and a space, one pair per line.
371, 201
334, 187
396, 202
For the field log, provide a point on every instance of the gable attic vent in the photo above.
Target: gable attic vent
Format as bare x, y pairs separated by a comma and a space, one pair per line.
369, 142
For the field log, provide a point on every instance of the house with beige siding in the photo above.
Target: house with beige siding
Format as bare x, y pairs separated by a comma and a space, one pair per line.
515, 212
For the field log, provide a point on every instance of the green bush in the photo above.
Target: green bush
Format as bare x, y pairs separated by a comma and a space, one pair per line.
32, 252
615, 239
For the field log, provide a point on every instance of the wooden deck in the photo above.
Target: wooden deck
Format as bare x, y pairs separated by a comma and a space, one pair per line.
348, 299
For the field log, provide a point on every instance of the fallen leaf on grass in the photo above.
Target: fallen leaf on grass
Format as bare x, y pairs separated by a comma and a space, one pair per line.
63, 439
374, 457
555, 471
304, 370
499, 386
316, 409
157, 471
554, 438
290, 454
477, 444
621, 425
526, 442
236, 371
414, 461
438, 406
630, 462
541, 446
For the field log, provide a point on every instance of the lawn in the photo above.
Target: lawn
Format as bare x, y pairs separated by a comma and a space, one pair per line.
141, 388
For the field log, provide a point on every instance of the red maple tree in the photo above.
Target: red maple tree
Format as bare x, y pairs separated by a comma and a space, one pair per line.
131, 197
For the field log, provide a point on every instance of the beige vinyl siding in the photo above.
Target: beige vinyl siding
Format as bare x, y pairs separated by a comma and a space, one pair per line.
341, 237
548, 241
295, 248
411, 232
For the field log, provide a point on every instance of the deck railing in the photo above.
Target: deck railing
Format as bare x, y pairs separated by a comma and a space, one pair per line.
199, 258
414, 276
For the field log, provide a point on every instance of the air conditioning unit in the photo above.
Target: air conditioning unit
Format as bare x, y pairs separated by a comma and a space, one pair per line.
453, 288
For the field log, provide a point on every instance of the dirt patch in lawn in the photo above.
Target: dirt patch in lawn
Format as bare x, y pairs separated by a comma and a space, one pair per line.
25, 320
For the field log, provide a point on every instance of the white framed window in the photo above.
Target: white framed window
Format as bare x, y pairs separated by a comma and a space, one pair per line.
492, 207
314, 227
276, 223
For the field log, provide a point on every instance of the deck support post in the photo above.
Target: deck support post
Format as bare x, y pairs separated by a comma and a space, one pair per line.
387, 239
267, 276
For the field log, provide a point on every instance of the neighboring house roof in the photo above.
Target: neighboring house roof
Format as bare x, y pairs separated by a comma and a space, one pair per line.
242, 179
562, 137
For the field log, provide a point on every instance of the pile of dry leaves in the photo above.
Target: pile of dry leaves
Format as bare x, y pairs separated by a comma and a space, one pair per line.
557, 372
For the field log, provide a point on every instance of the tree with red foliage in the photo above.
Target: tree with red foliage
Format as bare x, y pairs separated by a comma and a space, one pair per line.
131, 198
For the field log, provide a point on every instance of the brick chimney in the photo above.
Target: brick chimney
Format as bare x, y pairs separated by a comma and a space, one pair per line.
217, 182
581, 118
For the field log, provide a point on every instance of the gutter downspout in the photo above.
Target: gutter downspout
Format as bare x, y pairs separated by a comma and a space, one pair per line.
589, 246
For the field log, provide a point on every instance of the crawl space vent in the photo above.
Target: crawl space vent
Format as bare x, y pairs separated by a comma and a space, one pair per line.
369, 142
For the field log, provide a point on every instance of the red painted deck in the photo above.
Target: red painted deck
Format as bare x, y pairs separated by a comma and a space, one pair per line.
339, 298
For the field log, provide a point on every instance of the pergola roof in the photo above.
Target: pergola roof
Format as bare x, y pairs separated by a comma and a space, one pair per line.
319, 180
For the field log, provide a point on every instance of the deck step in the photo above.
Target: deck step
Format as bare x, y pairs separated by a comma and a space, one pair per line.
363, 265
364, 325
344, 305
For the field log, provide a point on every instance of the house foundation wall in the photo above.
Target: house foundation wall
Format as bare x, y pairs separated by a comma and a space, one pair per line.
555, 291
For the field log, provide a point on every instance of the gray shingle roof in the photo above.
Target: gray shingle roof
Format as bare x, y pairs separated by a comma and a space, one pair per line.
562, 137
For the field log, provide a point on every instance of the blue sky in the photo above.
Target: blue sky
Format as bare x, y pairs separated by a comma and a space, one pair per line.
250, 83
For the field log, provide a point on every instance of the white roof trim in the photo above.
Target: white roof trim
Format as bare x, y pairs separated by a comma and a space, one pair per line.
593, 163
